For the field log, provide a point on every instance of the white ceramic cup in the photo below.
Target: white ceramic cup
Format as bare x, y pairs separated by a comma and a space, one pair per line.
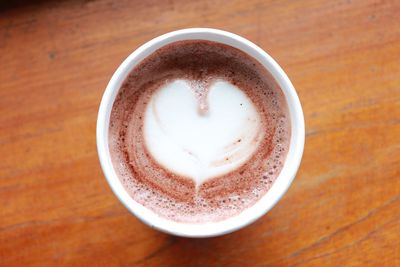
250, 214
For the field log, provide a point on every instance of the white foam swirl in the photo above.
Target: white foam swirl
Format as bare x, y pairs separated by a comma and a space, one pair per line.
197, 144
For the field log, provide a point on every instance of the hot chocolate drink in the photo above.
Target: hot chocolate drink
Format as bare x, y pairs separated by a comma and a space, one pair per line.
199, 131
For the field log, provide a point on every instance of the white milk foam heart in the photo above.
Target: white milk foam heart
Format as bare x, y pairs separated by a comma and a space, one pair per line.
201, 145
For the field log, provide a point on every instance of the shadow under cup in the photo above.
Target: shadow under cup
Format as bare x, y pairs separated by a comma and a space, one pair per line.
250, 214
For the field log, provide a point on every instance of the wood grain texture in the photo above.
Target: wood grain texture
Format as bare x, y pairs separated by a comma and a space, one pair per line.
343, 208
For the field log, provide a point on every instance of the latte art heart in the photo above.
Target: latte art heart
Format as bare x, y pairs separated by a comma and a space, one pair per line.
198, 144
199, 131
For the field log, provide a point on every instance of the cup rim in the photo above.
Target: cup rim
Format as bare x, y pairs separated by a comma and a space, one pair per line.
249, 215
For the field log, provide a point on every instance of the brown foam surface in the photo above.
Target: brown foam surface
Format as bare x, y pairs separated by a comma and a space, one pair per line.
176, 197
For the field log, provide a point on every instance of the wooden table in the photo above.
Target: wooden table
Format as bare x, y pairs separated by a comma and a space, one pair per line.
343, 208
